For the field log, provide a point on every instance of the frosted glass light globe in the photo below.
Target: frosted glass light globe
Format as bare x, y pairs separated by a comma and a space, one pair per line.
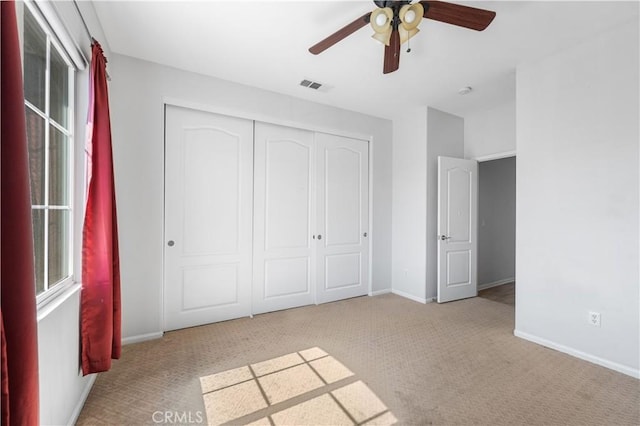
410, 16
381, 19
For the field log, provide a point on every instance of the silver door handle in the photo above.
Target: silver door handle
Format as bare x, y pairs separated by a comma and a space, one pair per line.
444, 237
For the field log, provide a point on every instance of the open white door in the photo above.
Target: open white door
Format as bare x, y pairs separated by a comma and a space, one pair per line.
208, 205
457, 228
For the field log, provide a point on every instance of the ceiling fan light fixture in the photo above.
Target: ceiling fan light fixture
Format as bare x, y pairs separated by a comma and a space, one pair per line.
383, 38
381, 19
393, 17
411, 15
407, 34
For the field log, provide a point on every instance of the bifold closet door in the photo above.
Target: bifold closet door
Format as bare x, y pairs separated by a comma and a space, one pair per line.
342, 249
283, 266
208, 217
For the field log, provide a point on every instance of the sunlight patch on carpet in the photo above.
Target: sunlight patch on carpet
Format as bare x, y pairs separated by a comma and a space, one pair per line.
267, 386
288, 383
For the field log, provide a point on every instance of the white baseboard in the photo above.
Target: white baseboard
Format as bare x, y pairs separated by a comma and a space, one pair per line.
83, 398
633, 372
142, 338
380, 292
412, 297
496, 283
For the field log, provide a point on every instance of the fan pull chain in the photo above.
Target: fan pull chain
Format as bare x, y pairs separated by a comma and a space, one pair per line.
408, 45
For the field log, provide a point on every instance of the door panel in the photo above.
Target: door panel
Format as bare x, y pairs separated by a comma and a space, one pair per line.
287, 180
208, 205
457, 228
342, 271
343, 220
286, 277
210, 173
283, 275
343, 182
197, 291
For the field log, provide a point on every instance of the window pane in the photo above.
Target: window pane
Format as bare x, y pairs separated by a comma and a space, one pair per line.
37, 220
35, 142
59, 81
35, 61
58, 168
58, 245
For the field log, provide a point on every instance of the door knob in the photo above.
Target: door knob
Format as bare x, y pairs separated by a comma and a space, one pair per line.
444, 237
364, 235
170, 243
319, 237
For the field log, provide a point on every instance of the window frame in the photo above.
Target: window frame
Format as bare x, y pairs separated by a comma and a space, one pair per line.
51, 292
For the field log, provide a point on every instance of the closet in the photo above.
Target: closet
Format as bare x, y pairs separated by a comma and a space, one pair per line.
260, 217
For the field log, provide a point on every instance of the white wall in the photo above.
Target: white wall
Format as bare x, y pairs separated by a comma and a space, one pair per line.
490, 131
138, 89
420, 135
63, 389
577, 204
496, 221
410, 204
445, 137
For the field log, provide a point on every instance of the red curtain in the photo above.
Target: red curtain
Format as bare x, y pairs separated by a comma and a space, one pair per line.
5, 375
100, 306
18, 292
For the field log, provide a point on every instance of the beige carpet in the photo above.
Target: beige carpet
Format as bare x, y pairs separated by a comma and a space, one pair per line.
456, 363
505, 293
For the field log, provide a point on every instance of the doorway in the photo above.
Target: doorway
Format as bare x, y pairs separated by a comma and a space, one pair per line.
496, 229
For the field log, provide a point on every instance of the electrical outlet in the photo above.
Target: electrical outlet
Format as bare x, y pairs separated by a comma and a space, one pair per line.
594, 319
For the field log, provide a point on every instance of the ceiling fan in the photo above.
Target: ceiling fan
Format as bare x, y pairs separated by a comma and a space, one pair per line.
395, 22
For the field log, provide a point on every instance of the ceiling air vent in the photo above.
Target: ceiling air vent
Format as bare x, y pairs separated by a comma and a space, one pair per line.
311, 84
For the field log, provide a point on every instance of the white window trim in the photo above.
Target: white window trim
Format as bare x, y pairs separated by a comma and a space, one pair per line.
57, 297
58, 36
59, 31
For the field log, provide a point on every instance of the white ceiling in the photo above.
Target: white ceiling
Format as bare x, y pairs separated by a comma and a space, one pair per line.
265, 44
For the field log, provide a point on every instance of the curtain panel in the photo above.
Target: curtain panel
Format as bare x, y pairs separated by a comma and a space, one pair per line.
100, 299
20, 393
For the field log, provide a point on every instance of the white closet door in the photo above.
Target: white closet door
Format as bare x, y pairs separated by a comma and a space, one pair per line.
343, 221
283, 268
208, 210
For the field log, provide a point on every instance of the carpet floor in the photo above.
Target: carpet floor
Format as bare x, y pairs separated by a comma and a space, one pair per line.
505, 293
451, 364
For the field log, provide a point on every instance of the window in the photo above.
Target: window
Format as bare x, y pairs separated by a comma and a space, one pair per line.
48, 93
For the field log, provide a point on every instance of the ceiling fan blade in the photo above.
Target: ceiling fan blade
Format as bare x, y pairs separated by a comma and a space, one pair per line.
342, 33
455, 14
392, 53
